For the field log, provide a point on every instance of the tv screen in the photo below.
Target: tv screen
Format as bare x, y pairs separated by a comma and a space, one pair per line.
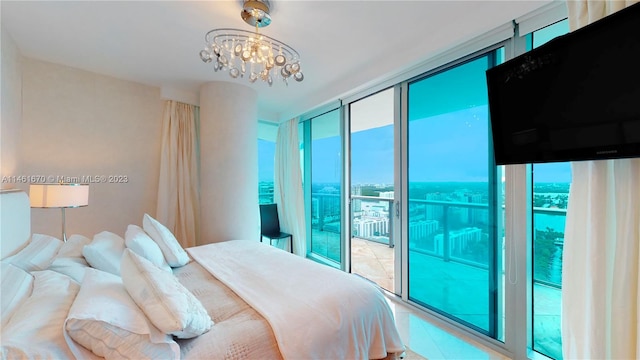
576, 97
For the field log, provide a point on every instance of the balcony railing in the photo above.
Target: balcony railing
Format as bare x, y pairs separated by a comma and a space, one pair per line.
383, 223
460, 235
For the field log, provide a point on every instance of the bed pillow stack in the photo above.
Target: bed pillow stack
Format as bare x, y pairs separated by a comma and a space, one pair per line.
167, 303
70, 260
34, 329
37, 255
169, 245
104, 252
15, 287
105, 320
142, 244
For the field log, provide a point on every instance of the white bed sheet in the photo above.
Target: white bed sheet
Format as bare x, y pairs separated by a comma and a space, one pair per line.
315, 312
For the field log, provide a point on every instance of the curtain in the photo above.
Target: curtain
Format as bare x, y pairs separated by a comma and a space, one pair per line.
179, 185
600, 275
288, 193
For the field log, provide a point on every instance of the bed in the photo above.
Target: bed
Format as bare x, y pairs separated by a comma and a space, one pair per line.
240, 299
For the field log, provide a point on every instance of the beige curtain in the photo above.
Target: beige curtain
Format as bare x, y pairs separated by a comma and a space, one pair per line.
601, 275
179, 186
287, 191
584, 12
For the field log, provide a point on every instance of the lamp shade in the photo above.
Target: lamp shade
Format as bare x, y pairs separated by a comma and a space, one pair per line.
58, 195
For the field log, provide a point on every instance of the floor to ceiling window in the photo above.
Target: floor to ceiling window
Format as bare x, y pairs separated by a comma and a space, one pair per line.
457, 259
551, 184
324, 152
372, 192
454, 244
266, 152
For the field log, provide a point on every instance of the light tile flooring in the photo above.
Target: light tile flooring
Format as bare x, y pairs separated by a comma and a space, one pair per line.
374, 261
424, 338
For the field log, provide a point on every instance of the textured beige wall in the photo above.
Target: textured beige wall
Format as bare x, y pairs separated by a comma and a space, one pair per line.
228, 163
10, 124
77, 123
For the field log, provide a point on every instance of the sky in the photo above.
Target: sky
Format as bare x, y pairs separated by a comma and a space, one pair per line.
266, 153
441, 149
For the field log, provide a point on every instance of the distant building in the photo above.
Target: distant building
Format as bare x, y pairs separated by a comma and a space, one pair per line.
315, 208
421, 233
386, 194
357, 203
459, 239
365, 227
435, 212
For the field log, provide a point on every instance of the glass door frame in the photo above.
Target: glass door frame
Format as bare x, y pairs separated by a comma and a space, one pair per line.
306, 121
495, 262
395, 216
517, 191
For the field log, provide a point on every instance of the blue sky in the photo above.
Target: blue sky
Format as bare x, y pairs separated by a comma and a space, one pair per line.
460, 155
266, 153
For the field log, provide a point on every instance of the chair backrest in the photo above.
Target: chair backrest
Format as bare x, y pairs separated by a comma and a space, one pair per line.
269, 222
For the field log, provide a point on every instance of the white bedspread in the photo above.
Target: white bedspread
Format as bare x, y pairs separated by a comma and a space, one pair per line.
316, 312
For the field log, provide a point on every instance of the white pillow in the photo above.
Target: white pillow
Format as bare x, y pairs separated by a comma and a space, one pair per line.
37, 255
171, 249
104, 252
73, 247
105, 320
140, 243
167, 303
71, 266
70, 260
35, 329
15, 286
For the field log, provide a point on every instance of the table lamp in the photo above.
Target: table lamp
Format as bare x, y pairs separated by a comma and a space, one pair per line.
59, 196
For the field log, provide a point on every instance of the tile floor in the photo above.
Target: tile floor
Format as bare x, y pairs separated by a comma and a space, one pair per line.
373, 261
426, 340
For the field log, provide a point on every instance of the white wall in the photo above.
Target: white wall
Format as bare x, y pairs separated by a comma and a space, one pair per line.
11, 95
76, 123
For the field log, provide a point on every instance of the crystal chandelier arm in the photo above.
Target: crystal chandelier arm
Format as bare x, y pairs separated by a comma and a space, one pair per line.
224, 45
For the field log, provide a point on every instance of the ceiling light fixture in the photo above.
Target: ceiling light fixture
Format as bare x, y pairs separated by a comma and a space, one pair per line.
240, 51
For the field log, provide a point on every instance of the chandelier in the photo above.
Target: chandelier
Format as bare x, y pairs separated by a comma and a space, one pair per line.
242, 52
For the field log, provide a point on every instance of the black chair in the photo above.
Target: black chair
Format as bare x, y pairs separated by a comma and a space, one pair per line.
270, 225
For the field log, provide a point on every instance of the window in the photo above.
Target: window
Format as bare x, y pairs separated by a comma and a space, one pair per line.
267, 133
323, 152
454, 245
455, 255
551, 184
373, 189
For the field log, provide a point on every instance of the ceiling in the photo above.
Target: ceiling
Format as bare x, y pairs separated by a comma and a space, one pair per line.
343, 44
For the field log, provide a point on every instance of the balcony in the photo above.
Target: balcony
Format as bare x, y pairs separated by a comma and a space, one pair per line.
450, 255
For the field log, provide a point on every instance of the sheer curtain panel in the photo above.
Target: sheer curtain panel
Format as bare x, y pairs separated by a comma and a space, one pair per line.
287, 191
179, 186
600, 275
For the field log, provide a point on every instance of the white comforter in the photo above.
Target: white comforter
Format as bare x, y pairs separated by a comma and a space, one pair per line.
316, 312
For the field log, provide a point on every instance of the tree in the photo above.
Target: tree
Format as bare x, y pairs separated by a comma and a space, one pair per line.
544, 251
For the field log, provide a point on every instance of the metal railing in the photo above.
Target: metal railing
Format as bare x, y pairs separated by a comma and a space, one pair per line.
444, 227
387, 238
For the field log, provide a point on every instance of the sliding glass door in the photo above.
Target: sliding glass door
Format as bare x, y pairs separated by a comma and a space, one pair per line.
455, 245
323, 173
373, 190
551, 183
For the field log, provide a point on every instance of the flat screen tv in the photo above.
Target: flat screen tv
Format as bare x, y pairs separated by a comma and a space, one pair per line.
574, 98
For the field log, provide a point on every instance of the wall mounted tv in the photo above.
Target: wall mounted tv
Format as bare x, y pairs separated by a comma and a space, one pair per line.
574, 98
